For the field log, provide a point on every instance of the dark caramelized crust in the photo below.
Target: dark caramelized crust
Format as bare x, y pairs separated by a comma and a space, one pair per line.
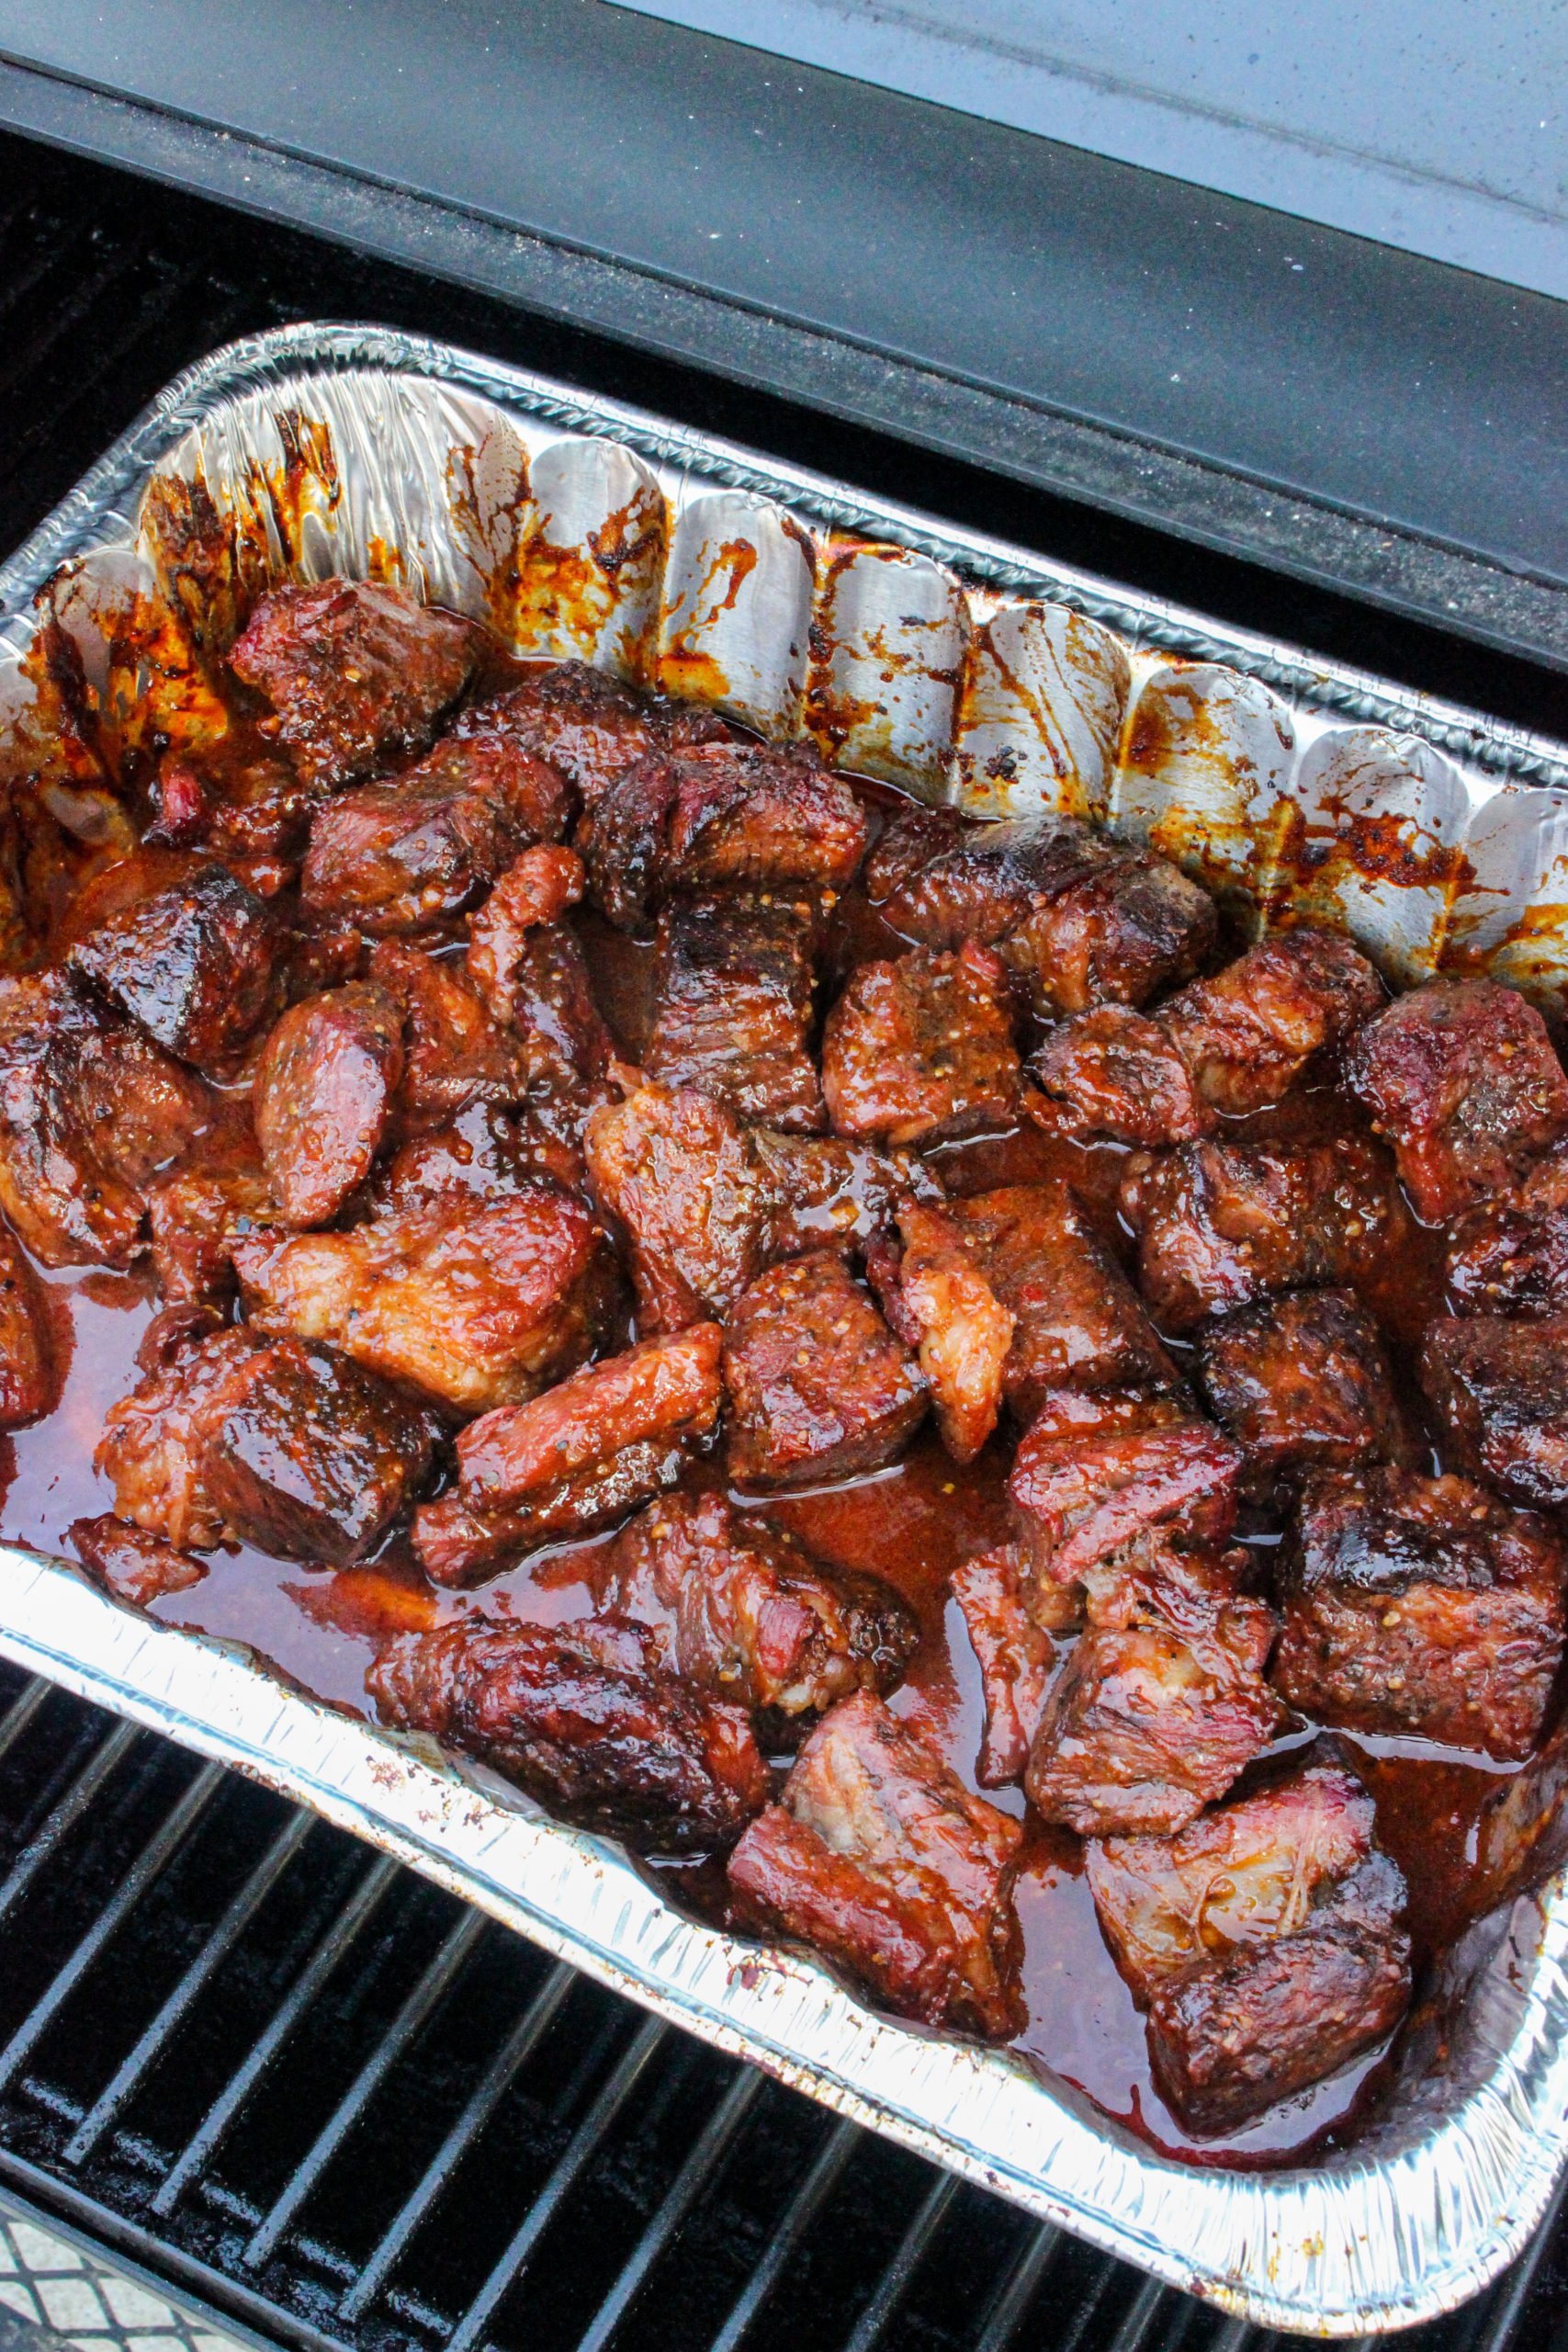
199, 964
674, 1171
1115, 1072
239, 801
484, 1151
136, 1567
1422, 1605
747, 1613
822, 1192
879, 1856
355, 673
1461, 1077
1508, 1257
453, 1052
219, 1192
1016, 1658
1267, 1943
29, 1384
1500, 1390
921, 1049
817, 1385
1085, 1496
538, 888
1220, 1225
154, 1445
461, 1543
584, 1716
1302, 1382
733, 1017
588, 726
323, 1096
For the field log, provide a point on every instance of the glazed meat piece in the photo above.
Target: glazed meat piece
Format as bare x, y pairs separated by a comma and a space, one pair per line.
477, 1301
452, 1051
940, 1305
1521, 1836
921, 1049
1078, 920
198, 964
1461, 1077
355, 673
1267, 1942
585, 1717
822, 1192
1422, 1605
485, 1149
879, 1856
583, 1454
1500, 1390
1077, 1322
1302, 1382
1220, 1225
588, 726
1508, 1258
725, 813
1016, 1657
818, 1386
29, 1383
1084, 1496
194, 1214
733, 1019
155, 1442
408, 855
674, 1171
538, 888
323, 1096
744, 1610
90, 1110
1234, 1043
237, 800
136, 1567
1154, 1717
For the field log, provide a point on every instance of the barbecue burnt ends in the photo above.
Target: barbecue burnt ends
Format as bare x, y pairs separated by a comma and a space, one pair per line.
568, 1140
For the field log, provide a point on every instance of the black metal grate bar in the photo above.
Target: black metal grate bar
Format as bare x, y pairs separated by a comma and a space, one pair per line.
104, 1758
823, 2177
1136, 2329
21, 1715
1018, 2287
912, 2250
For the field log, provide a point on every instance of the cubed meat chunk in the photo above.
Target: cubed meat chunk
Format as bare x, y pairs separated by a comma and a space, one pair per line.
237, 800
29, 1380
1220, 1225
588, 726
940, 1303
1461, 1077
485, 1149
674, 1171
1076, 918
582, 1455
323, 1097
733, 1017
453, 1052
1117, 1073
476, 1302
1500, 1390
1267, 1943
538, 888
921, 1049
408, 855
1085, 1496
746, 1611
355, 674
1422, 1605
818, 1387
194, 1214
585, 1718
1016, 1659
822, 1192
725, 813
1154, 1717
91, 1110
199, 964
156, 1440
1302, 1382
879, 1856
1507, 1257
1077, 1322
134, 1566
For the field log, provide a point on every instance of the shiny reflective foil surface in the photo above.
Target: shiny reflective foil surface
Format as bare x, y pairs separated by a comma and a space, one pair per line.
965, 671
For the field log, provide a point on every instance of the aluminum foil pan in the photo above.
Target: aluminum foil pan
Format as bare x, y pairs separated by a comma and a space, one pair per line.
970, 672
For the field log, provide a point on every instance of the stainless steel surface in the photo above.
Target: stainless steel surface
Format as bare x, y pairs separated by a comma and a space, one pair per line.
971, 671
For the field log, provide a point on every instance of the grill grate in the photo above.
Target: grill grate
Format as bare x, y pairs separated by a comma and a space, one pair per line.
296, 2084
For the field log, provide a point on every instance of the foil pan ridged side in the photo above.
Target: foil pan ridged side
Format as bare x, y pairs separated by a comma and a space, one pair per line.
966, 671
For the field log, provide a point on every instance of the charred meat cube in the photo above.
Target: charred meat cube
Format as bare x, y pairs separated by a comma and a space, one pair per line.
1076, 918
921, 1049
1267, 1942
674, 1171
355, 673
408, 855
1220, 1225
1500, 1393
1461, 1077
1507, 1256
1077, 1322
452, 1051
583, 1454
817, 1385
323, 1096
1154, 1717
1302, 1382
939, 1303
879, 1856
735, 983
1422, 1605
1118, 1073
478, 1302
1085, 1496
1016, 1657
588, 726
29, 1382
155, 1442
745, 1612
585, 1717
822, 1192
194, 1214
135, 1567
200, 964
537, 890
90, 1110
724, 813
